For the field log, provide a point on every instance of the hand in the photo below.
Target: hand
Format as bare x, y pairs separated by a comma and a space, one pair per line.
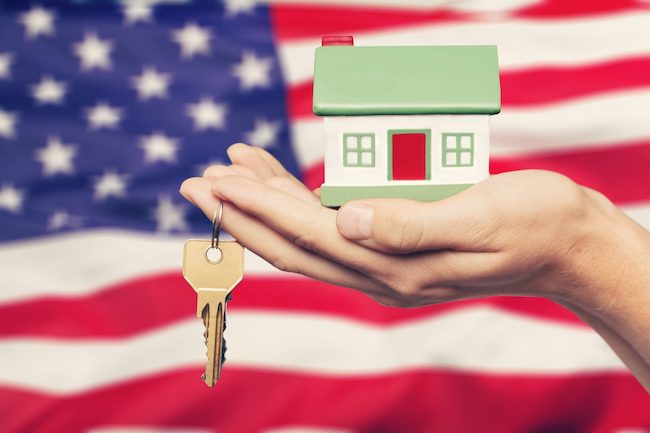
527, 233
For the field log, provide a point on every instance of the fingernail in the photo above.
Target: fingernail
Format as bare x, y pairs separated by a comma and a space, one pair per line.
355, 221
183, 190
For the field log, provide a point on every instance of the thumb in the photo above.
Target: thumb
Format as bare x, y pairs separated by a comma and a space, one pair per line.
404, 226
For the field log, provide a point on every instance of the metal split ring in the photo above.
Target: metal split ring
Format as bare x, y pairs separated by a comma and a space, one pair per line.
216, 224
214, 254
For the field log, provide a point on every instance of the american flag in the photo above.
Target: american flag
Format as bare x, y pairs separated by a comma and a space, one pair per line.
106, 107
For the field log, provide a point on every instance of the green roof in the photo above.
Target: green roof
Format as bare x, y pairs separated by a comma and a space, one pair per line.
351, 80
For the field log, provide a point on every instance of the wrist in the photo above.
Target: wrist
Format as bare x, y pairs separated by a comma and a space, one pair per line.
608, 263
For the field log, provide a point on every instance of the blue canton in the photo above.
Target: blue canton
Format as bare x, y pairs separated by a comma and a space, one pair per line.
105, 109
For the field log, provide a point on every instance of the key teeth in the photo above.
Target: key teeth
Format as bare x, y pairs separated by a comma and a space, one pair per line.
223, 352
206, 335
207, 351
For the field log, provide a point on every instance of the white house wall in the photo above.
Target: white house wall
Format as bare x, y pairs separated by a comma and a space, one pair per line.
336, 126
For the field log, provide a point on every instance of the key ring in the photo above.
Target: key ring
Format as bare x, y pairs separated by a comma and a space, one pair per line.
216, 223
214, 254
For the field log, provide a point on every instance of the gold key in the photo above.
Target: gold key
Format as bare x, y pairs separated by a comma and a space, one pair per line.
213, 269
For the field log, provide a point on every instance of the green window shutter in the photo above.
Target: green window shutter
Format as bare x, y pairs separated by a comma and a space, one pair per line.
359, 149
458, 149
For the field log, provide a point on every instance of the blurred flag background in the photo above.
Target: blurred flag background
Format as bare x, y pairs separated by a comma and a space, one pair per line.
104, 109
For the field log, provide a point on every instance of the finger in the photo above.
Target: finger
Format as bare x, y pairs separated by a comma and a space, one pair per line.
244, 171
280, 183
222, 170
270, 245
290, 187
242, 154
262, 163
276, 166
462, 222
308, 225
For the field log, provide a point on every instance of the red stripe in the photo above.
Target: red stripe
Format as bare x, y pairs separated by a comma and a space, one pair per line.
620, 171
146, 303
313, 21
302, 21
414, 401
534, 86
566, 9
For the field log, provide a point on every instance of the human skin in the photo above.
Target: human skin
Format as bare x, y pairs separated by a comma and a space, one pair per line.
529, 233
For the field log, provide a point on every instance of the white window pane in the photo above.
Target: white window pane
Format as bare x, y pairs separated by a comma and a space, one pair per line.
366, 158
352, 158
465, 158
351, 142
466, 142
450, 158
366, 142
450, 141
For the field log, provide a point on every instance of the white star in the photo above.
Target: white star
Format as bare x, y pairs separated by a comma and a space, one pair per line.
207, 114
58, 220
61, 219
170, 216
49, 91
94, 52
264, 133
7, 124
11, 198
38, 21
6, 59
233, 7
159, 147
151, 84
136, 11
193, 40
56, 157
102, 115
110, 184
253, 71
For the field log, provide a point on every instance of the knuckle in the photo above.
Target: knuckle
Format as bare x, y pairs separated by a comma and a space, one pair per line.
404, 231
383, 300
283, 263
308, 238
391, 301
407, 289
404, 286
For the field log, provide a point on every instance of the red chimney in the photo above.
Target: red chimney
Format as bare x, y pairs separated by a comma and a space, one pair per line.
337, 40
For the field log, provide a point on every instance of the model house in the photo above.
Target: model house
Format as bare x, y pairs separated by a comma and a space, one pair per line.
404, 121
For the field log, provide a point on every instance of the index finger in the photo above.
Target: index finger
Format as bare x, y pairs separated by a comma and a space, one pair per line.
306, 224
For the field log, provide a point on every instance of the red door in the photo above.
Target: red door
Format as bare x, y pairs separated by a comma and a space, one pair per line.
409, 157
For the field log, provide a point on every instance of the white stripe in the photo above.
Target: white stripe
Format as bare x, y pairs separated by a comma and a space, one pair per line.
639, 213
476, 339
522, 43
84, 262
447, 5
308, 138
594, 121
